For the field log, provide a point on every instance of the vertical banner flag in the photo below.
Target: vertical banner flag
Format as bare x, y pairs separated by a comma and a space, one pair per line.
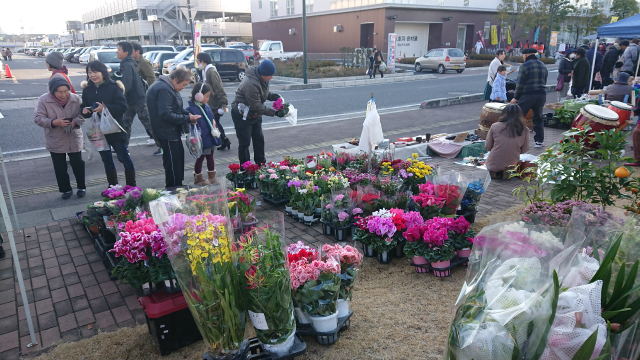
554, 38
535, 37
509, 35
197, 34
614, 19
391, 53
494, 34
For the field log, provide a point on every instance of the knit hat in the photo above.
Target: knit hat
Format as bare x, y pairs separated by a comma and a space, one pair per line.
55, 59
266, 68
623, 77
529, 51
56, 81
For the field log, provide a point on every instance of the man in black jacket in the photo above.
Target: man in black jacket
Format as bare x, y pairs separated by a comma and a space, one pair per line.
168, 121
134, 91
608, 63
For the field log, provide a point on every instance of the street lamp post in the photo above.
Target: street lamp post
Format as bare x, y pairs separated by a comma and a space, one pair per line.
305, 76
153, 19
554, 7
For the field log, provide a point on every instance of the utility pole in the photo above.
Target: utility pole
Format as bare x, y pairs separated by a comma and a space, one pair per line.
554, 7
193, 37
304, 42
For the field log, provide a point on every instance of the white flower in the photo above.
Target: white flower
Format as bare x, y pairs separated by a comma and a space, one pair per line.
382, 213
302, 191
98, 204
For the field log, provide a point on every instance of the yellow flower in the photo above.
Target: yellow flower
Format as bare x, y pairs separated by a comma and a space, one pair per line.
414, 155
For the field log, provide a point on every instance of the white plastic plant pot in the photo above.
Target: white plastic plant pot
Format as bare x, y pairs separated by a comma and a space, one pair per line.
294, 213
288, 209
308, 218
325, 324
343, 308
302, 316
281, 349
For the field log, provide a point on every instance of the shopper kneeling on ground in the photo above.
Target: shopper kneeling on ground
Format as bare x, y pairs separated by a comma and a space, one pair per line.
169, 121
506, 140
209, 132
100, 90
58, 112
248, 107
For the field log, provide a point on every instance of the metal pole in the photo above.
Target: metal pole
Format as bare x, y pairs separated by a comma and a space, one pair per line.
16, 261
593, 63
6, 180
153, 26
546, 49
304, 42
193, 36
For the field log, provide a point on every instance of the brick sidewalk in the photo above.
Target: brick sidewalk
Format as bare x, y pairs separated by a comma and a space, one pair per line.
72, 296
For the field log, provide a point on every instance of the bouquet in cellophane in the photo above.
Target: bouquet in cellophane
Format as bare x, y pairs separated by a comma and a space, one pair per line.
266, 283
450, 186
198, 236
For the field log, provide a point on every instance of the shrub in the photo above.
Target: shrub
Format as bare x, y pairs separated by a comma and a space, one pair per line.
409, 60
477, 63
518, 59
482, 56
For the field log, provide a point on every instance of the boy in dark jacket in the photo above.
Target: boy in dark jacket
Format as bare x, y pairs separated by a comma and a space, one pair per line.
168, 122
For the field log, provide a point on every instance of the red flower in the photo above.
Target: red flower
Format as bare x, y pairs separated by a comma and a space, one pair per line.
234, 167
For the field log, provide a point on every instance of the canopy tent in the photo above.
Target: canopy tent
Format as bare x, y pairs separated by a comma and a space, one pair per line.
627, 28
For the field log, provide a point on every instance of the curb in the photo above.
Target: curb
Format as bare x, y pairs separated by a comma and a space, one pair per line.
303, 86
18, 99
434, 103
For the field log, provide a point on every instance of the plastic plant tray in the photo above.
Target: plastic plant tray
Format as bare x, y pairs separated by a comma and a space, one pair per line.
256, 352
325, 338
276, 202
444, 272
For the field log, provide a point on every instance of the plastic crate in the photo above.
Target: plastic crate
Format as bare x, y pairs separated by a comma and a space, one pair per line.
169, 321
108, 237
97, 244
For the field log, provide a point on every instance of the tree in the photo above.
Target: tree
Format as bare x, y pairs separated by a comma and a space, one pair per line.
531, 14
624, 8
585, 20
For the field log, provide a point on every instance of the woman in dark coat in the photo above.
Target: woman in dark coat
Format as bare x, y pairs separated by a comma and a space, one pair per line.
101, 90
566, 70
209, 133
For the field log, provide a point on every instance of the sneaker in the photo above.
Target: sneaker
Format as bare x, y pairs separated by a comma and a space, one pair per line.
538, 144
66, 195
158, 153
81, 193
151, 142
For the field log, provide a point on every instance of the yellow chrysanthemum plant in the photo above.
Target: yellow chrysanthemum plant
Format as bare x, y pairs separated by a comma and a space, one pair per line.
199, 237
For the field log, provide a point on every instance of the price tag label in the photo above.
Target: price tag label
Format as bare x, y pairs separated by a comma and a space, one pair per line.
258, 320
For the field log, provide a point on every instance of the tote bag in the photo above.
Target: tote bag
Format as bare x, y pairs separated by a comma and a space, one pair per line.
560, 84
109, 125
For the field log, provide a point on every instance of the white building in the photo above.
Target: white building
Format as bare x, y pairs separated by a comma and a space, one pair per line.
129, 20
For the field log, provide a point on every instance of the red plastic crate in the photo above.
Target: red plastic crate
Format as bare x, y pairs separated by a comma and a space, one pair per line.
161, 303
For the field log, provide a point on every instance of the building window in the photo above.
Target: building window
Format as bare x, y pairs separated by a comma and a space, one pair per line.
259, 4
291, 7
487, 29
441, 2
273, 5
466, 3
309, 6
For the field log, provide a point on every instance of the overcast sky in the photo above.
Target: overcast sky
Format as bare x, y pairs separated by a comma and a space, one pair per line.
40, 16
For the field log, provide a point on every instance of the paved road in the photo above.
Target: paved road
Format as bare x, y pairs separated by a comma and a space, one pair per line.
18, 133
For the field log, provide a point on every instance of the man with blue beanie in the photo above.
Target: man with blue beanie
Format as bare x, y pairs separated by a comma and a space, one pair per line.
248, 108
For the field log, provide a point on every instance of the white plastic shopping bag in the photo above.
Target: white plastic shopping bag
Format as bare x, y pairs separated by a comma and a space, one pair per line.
194, 141
292, 115
109, 125
383, 66
94, 135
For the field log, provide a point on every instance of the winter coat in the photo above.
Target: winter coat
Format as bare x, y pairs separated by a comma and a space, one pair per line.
253, 92
133, 88
377, 58
145, 70
168, 119
56, 138
566, 67
111, 94
629, 58
581, 73
609, 62
218, 97
598, 59
617, 92
204, 125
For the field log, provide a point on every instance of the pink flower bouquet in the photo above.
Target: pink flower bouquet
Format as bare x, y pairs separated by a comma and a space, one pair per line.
350, 260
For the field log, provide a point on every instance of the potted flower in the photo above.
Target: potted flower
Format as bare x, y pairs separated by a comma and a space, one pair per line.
426, 201
250, 172
415, 247
315, 288
236, 176
451, 187
327, 216
245, 206
460, 237
342, 223
350, 260
295, 252
293, 195
382, 227
93, 218
439, 251
266, 282
361, 234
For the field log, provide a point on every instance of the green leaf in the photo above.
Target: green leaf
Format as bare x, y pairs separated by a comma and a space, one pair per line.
609, 256
554, 305
609, 314
617, 287
634, 307
586, 350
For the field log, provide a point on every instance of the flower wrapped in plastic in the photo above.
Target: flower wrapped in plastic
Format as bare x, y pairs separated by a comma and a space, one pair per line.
450, 186
266, 283
508, 300
479, 182
198, 236
350, 260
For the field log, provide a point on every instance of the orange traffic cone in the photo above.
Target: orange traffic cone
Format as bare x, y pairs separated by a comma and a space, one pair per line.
7, 71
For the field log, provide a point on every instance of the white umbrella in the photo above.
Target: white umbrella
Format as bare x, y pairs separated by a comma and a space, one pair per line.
371, 129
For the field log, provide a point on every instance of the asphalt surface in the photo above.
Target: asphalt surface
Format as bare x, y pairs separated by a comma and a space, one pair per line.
19, 134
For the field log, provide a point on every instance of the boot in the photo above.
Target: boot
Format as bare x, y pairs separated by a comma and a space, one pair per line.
198, 180
112, 177
212, 177
225, 144
130, 177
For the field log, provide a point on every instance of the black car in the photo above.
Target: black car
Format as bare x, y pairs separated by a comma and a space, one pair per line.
231, 63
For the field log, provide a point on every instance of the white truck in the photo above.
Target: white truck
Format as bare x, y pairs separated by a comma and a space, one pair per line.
273, 49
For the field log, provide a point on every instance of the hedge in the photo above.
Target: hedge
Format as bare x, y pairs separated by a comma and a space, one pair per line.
409, 60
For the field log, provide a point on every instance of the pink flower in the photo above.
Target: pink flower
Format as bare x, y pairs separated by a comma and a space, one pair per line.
273, 176
262, 176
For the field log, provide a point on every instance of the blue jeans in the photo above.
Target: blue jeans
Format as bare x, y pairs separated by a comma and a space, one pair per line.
123, 156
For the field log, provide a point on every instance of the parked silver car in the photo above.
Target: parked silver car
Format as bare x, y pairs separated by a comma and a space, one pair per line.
441, 60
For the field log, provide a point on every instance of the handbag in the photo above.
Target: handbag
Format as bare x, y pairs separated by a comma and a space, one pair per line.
109, 125
383, 66
560, 85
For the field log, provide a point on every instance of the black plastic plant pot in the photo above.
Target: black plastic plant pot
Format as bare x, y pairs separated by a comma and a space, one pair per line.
399, 250
327, 339
327, 228
368, 251
468, 214
341, 234
384, 257
148, 289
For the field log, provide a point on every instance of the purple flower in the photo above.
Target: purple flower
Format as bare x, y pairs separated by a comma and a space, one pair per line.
342, 216
356, 211
120, 203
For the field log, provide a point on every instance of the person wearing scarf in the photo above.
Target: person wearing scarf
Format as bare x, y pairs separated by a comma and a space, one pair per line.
58, 113
209, 132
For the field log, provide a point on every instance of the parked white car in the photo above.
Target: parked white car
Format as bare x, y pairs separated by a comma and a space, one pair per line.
275, 50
